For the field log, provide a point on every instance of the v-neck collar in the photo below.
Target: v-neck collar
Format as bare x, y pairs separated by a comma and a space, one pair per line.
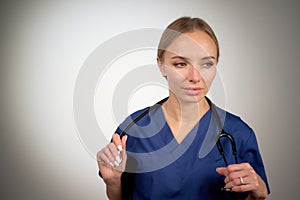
167, 136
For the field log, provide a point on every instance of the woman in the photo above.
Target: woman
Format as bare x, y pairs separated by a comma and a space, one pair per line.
174, 132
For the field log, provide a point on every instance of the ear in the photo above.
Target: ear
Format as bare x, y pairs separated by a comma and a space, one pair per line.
161, 67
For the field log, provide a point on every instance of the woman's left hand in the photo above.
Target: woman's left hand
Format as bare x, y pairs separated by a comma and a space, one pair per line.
242, 178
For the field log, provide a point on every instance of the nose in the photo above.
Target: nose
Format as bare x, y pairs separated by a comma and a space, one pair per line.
194, 75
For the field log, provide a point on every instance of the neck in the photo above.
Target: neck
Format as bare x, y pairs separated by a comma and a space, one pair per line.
185, 111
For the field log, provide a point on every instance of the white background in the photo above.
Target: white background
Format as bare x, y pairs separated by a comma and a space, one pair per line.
45, 43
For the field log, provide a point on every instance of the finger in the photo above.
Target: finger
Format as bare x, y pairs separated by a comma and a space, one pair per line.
104, 155
221, 171
235, 176
124, 139
115, 154
117, 141
233, 182
249, 179
234, 171
238, 167
242, 188
244, 183
111, 152
103, 159
250, 184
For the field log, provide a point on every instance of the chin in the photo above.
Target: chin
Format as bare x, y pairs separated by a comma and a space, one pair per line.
192, 99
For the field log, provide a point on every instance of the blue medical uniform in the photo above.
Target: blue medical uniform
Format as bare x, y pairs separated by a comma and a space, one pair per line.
161, 168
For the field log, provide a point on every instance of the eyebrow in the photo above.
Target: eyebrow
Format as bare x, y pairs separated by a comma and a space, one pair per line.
180, 57
209, 57
184, 58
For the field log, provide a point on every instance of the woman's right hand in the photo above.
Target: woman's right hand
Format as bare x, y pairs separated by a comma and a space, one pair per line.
112, 160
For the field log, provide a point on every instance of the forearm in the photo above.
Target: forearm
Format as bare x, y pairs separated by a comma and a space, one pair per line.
114, 190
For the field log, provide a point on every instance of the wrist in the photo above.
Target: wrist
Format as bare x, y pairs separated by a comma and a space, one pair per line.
113, 182
252, 196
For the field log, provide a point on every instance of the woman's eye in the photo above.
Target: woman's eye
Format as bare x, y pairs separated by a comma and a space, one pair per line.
180, 64
208, 64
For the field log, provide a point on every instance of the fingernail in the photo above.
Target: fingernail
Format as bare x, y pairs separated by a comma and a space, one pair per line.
226, 189
119, 147
116, 164
111, 164
118, 159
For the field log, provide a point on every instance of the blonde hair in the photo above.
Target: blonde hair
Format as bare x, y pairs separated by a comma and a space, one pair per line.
184, 25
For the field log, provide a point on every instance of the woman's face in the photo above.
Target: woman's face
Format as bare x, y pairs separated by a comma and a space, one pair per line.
189, 65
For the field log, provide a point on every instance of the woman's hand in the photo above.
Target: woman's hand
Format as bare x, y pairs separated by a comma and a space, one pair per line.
112, 160
241, 178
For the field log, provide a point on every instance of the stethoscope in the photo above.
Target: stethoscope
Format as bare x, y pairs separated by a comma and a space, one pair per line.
222, 133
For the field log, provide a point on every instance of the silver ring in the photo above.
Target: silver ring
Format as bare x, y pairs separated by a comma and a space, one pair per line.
242, 181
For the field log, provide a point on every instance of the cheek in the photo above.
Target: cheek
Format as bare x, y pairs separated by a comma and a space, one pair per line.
174, 76
208, 76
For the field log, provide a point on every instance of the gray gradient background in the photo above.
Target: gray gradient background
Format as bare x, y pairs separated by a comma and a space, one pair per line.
45, 43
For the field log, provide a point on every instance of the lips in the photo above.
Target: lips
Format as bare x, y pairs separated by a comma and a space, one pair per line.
193, 90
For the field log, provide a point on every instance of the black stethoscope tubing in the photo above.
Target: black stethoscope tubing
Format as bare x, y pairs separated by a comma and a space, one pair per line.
222, 133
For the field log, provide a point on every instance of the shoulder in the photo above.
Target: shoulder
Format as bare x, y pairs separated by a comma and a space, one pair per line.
243, 134
134, 118
241, 131
138, 112
235, 125
233, 121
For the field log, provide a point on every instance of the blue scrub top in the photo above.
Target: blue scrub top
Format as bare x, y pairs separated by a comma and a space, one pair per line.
163, 169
